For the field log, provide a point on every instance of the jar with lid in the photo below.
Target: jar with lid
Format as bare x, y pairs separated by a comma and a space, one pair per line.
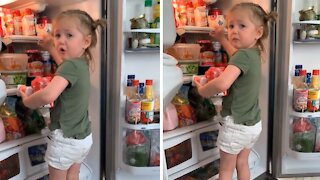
215, 18
35, 64
206, 56
43, 26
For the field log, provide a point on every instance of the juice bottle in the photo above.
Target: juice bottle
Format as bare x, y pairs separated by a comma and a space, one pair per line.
313, 92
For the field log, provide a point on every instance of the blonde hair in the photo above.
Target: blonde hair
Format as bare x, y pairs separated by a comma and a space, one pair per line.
88, 26
259, 17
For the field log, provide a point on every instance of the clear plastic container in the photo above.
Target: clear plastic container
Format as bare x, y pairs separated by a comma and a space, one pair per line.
186, 51
13, 62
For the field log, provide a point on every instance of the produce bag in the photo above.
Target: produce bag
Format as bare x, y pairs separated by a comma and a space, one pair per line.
155, 148
317, 144
137, 149
186, 113
303, 135
203, 107
12, 123
32, 120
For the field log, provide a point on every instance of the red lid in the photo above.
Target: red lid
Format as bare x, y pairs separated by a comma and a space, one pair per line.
27, 11
215, 11
16, 13
203, 41
43, 20
189, 4
303, 72
315, 72
135, 82
148, 82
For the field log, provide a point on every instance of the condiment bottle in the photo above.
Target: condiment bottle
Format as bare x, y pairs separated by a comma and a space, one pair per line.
133, 105
206, 56
313, 92
17, 22
147, 104
28, 23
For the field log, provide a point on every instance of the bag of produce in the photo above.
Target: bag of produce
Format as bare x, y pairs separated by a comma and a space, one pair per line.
137, 149
203, 107
303, 135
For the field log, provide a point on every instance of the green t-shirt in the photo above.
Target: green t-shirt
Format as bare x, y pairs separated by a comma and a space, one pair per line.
70, 111
242, 100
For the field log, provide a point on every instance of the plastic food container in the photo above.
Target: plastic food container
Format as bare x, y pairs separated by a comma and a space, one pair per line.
13, 62
189, 67
186, 51
13, 78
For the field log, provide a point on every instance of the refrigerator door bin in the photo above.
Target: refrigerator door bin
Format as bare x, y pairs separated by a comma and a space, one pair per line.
140, 153
12, 164
142, 170
206, 140
34, 152
304, 136
180, 152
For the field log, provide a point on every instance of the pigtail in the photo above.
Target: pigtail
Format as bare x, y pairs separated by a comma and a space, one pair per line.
102, 23
270, 17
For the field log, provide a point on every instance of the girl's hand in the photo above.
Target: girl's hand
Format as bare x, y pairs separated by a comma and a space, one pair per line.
218, 33
196, 81
22, 91
47, 42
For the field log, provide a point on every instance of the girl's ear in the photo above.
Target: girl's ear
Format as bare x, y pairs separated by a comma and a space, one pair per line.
259, 32
87, 41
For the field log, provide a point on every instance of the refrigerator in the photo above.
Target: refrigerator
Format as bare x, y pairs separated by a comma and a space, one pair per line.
273, 152
15, 153
123, 59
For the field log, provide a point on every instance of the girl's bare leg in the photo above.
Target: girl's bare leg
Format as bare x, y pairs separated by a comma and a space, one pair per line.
227, 165
74, 172
55, 174
243, 172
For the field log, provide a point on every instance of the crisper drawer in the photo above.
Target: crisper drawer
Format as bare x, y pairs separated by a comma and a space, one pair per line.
34, 152
206, 141
180, 152
203, 170
12, 164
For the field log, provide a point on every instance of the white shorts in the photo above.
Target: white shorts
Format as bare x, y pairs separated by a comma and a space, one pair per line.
63, 152
235, 137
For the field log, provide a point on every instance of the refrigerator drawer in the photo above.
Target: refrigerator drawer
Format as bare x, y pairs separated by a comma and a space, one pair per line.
12, 164
180, 152
34, 153
206, 141
206, 169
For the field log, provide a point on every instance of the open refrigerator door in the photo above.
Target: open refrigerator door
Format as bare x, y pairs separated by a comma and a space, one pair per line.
296, 117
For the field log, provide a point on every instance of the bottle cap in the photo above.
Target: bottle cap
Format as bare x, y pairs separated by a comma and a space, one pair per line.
308, 75
315, 72
148, 82
141, 84
298, 66
148, 3
131, 76
303, 72
135, 82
